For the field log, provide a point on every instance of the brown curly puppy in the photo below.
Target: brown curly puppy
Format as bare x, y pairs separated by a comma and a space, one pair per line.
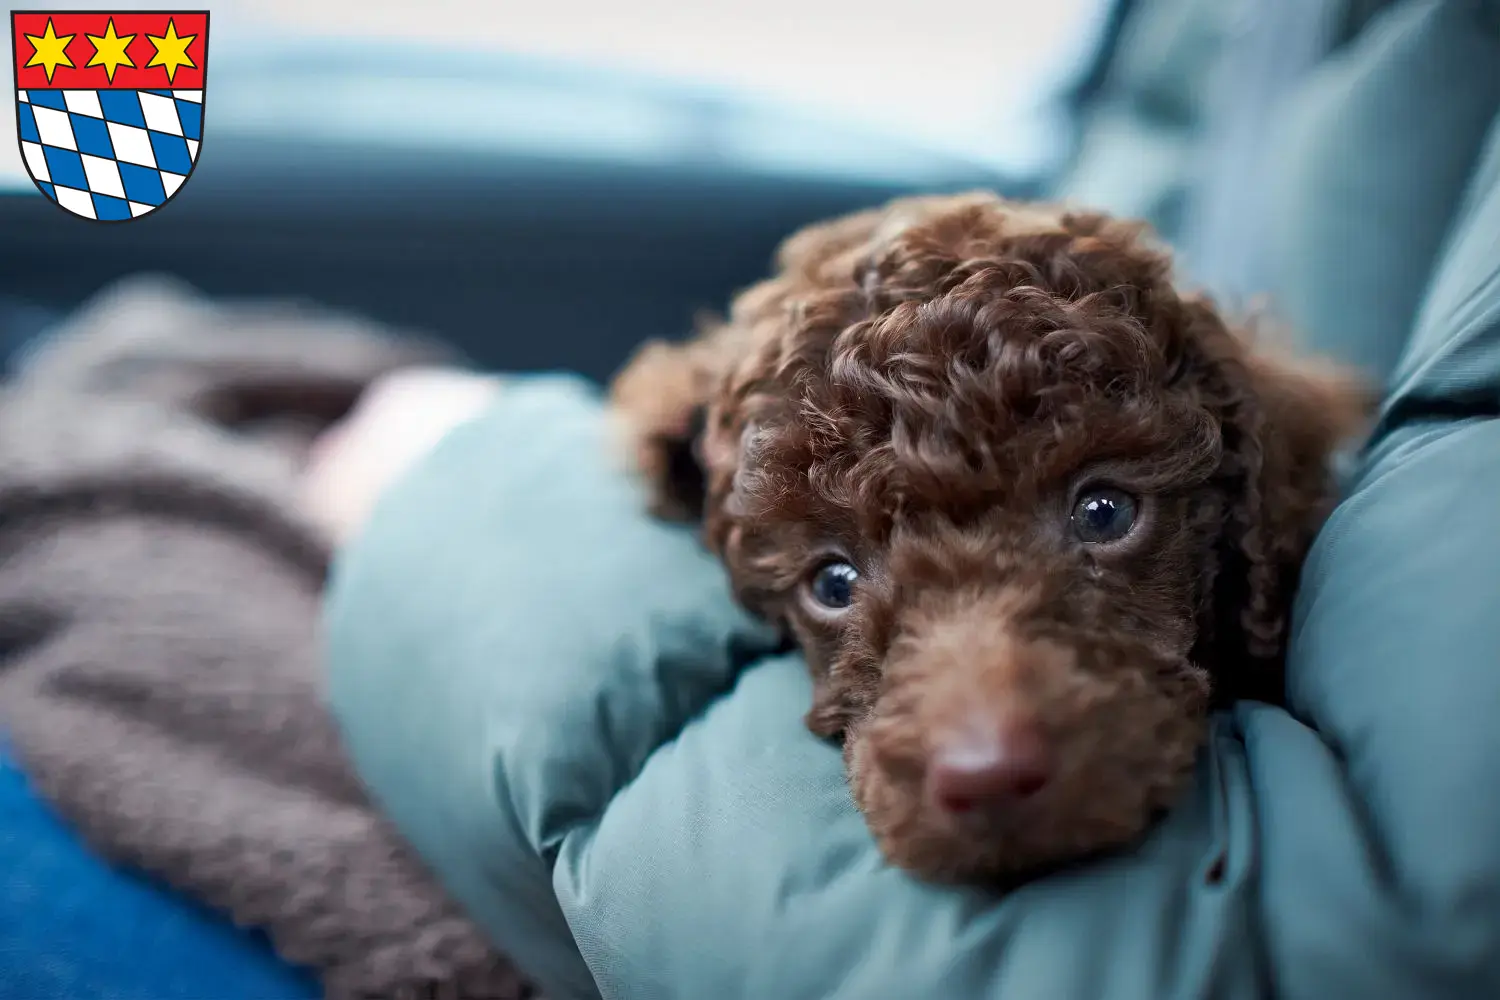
1028, 509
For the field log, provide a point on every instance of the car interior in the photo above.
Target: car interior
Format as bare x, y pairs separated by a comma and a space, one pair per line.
535, 213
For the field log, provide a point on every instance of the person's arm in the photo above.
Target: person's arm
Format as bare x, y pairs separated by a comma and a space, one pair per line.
558, 703
531, 674
533, 677
509, 639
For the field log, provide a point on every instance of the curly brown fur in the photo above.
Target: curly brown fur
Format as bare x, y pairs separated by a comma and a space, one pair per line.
924, 392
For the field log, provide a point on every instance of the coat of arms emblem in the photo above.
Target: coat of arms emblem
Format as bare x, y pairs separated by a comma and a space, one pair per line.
109, 106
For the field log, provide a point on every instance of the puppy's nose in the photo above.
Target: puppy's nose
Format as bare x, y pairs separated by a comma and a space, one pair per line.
989, 764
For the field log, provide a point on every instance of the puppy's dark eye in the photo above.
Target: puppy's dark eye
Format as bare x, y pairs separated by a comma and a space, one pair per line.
832, 585
1103, 515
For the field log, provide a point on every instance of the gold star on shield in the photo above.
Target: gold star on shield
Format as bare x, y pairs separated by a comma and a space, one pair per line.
171, 51
50, 51
109, 50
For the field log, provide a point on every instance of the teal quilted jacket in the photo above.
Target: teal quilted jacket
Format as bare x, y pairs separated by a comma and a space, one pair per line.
559, 704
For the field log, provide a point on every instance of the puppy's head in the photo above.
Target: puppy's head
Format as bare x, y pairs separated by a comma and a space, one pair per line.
1028, 510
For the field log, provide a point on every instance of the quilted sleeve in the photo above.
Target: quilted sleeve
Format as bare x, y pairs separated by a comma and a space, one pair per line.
557, 701
559, 705
508, 641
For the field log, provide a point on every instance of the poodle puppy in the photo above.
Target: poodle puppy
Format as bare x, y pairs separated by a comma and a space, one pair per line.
1030, 511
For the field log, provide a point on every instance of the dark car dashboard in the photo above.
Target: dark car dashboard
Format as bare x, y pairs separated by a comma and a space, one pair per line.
537, 216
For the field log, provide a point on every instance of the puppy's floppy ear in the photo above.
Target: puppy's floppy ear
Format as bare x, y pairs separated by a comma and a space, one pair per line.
1284, 421
662, 396
829, 715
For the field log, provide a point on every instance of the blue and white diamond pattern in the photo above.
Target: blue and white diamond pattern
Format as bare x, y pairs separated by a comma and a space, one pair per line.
110, 154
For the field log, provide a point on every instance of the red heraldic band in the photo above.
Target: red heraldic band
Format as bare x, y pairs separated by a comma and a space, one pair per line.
164, 50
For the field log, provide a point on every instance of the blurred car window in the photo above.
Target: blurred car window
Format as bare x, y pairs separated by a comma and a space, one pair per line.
886, 91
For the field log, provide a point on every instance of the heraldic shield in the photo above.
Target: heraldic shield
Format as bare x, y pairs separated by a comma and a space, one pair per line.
109, 106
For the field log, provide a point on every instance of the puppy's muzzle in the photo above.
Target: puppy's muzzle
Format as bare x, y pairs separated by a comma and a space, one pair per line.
981, 694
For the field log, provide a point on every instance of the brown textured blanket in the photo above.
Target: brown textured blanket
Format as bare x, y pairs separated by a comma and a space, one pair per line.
158, 609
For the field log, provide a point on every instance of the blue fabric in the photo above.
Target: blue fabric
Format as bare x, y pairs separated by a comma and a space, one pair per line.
72, 928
